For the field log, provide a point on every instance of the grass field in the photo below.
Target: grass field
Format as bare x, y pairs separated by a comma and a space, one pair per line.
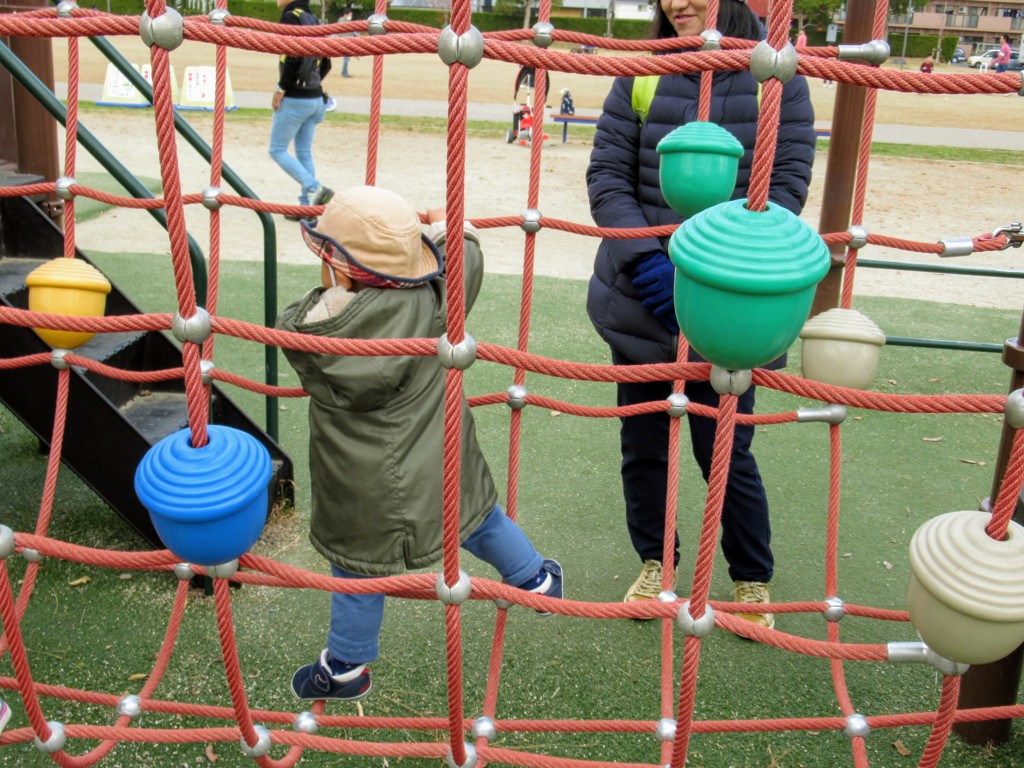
99, 629
899, 471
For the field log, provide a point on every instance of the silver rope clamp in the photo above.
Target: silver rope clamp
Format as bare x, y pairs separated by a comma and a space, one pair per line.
858, 237
531, 221
712, 40
517, 397
956, 246
196, 329
461, 355
873, 52
166, 31
766, 62
376, 23
1013, 233
467, 48
542, 34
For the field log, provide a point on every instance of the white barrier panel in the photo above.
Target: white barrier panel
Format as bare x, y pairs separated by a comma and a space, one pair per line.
198, 89
118, 90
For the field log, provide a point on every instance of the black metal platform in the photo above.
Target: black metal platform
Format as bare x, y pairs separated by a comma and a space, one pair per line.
111, 423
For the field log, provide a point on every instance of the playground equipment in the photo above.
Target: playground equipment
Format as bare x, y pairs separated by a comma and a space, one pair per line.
132, 416
460, 47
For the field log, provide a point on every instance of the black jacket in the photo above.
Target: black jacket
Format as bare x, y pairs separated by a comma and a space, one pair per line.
297, 13
622, 181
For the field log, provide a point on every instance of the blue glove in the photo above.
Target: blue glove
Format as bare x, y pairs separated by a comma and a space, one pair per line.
654, 277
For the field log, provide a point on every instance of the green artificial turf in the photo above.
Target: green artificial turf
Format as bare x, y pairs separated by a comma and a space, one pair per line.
898, 471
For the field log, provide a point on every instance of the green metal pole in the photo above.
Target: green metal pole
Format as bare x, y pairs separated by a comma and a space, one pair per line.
266, 220
45, 96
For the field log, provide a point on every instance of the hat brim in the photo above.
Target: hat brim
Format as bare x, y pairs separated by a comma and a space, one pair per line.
429, 265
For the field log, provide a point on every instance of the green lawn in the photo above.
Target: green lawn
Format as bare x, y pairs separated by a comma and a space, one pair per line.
96, 636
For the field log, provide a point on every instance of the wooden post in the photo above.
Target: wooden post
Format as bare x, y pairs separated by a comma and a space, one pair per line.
843, 152
996, 684
35, 130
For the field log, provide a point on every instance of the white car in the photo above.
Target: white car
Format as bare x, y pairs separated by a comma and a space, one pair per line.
988, 57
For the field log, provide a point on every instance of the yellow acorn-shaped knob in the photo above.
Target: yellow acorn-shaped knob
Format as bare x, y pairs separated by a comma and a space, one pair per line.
841, 347
67, 287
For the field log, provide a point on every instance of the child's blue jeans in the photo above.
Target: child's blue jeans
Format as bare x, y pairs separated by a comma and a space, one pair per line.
356, 620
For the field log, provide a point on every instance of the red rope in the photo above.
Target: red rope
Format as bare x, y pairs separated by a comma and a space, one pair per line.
248, 34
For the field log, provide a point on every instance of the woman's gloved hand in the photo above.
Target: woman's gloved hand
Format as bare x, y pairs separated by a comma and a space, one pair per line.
654, 278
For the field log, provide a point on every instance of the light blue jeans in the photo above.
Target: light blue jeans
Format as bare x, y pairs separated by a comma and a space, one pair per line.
296, 121
356, 620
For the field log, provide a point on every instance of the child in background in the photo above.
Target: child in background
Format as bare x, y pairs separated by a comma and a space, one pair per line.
376, 426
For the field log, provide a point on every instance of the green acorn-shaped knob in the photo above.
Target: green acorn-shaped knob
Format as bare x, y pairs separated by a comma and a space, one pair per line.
698, 166
745, 281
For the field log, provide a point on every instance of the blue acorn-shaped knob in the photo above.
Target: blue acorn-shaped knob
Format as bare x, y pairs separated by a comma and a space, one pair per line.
209, 504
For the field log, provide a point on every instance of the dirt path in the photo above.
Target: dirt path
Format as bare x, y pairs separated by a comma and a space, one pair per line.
916, 200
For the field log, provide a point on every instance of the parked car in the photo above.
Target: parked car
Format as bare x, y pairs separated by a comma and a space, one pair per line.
958, 56
988, 57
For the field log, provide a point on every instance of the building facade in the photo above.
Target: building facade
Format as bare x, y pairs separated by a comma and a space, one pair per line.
977, 24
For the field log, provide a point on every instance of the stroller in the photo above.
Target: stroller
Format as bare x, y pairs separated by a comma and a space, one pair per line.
522, 112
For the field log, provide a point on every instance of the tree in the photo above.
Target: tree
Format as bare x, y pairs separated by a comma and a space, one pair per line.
815, 13
510, 7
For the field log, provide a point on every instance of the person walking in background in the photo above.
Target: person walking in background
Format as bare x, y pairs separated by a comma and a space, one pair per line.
801, 39
346, 16
377, 427
299, 106
928, 65
1002, 59
630, 297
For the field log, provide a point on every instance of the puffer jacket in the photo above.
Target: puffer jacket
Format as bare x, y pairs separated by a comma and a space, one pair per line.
622, 181
376, 431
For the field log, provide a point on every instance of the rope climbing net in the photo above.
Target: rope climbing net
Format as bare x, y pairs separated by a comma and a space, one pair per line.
460, 47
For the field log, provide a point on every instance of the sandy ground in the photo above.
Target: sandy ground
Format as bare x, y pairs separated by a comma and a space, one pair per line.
916, 200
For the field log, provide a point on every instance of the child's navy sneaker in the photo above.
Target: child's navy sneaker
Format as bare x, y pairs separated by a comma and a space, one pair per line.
548, 581
315, 681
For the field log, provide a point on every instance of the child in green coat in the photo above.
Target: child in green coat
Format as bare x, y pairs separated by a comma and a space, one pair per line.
376, 426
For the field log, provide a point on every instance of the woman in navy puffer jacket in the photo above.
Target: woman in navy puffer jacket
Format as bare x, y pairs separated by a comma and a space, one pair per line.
630, 294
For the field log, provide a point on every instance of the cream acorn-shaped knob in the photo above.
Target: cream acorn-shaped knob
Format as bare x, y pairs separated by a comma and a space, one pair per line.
841, 347
966, 592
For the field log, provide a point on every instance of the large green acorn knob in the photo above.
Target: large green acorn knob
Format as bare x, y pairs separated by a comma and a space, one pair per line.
698, 167
745, 281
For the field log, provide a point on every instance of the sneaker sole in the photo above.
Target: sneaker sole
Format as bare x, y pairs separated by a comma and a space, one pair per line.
359, 697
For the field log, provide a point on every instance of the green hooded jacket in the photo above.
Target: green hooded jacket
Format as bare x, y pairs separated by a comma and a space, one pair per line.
376, 430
